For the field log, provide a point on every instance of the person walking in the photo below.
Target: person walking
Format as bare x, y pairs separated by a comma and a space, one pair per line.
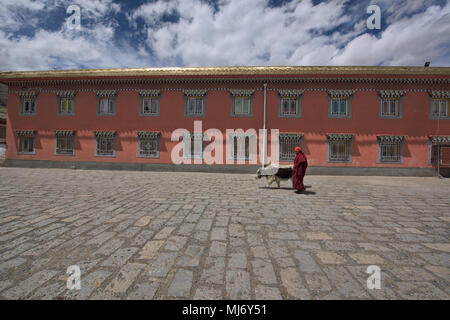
300, 165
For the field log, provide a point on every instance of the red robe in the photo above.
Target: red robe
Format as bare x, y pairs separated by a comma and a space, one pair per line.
300, 165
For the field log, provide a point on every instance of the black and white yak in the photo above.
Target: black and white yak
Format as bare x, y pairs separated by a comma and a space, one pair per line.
275, 173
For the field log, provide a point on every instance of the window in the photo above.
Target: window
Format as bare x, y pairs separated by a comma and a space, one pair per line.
288, 107
339, 147
193, 145
148, 144
64, 142
439, 108
25, 142
64, 145
390, 152
150, 106
106, 106
287, 144
339, 107
339, 151
390, 148
66, 106
28, 106
390, 108
194, 106
241, 103
106, 102
241, 148
105, 143
241, 106
241, 145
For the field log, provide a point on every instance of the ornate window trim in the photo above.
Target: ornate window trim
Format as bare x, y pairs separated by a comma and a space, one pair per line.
396, 95
390, 140
65, 94
340, 95
199, 94
241, 94
26, 134
442, 96
148, 135
341, 138
296, 94
295, 139
66, 134
434, 141
27, 95
108, 135
153, 94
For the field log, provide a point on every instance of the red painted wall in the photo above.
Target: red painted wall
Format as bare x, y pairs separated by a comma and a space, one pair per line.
365, 123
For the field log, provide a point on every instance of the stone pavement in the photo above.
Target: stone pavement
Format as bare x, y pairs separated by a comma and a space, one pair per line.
156, 235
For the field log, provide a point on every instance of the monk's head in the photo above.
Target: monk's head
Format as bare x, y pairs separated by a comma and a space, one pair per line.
297, 150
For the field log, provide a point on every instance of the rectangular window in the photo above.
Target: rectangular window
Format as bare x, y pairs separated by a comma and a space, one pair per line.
339, 107
390, 107
194, 106
106, 106
241, 106
193, 146
26, 144
339, 150
287, 146
66, 106
148, 147
150, 106
390, 152
288, 106
105, 146
64, 145
241, 148
28, 106
439, 108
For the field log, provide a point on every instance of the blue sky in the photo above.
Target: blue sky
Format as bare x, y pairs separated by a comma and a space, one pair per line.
34, 35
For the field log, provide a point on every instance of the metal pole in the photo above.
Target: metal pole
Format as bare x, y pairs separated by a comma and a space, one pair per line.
264, 128
439, 160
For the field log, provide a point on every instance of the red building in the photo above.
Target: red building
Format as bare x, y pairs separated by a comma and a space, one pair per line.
349, 120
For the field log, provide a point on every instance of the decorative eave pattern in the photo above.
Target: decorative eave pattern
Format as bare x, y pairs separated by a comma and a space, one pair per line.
391, 93
104, 133
391, 138
440, 94
291, 136
210, 80
64, 132
106, 93
65, 93
440, 139
195, 92
149, 92
227, 71
242, 92
148, 134
340, 136
26, 94
290, 92
340, 93
25, 133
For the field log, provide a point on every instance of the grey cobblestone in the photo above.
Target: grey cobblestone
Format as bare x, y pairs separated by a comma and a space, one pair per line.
219, 236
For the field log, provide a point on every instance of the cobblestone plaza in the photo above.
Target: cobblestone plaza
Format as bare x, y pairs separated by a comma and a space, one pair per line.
166, 235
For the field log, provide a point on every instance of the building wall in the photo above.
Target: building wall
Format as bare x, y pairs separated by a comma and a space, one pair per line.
314, 123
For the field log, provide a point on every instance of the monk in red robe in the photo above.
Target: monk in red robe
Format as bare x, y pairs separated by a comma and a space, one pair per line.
300, 165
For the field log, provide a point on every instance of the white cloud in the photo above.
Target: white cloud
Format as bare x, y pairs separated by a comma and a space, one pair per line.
238, 33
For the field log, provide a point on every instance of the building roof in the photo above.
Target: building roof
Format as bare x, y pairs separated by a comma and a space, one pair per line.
226, 71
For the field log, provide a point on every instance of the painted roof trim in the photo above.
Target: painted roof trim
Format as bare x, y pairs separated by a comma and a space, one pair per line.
228, 71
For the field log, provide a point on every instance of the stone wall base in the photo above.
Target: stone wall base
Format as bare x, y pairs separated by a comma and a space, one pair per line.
347, 171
